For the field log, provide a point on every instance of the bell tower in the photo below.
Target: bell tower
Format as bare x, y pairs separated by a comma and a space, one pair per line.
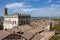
5, 11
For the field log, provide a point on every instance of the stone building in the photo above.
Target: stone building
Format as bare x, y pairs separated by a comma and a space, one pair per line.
13, 20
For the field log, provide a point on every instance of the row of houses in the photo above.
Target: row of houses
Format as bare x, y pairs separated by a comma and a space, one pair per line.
25, 32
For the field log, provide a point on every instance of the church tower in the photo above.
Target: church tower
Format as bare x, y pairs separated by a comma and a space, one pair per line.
5, 11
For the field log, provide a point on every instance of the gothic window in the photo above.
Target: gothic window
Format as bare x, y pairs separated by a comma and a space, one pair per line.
15, 22
10, 22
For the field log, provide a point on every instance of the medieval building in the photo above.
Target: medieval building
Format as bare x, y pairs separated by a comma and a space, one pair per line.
13, 20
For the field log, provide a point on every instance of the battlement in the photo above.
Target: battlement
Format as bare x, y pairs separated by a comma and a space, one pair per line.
17, 15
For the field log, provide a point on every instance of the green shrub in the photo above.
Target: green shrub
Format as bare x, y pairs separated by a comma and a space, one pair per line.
1, 27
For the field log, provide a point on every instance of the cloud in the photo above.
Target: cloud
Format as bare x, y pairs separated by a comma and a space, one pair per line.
16, 5
25, 10
49, 1
51, 11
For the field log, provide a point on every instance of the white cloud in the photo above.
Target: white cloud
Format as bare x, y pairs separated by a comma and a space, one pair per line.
49, 1
16, 5
53, 10
31, 9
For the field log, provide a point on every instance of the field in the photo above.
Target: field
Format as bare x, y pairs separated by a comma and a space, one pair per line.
56, 37
1, 25
57, 31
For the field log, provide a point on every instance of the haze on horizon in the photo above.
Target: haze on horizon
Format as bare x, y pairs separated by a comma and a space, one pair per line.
37, 8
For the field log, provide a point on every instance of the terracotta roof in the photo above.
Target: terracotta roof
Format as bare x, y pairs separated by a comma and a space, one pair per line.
20, 28
37, 37
47, 35
30, 33
3, 34
24, 28
27, 35
12, 30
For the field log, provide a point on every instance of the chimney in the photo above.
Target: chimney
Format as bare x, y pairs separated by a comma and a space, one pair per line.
5, 11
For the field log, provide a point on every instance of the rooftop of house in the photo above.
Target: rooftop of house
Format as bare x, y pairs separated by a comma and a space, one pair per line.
47, 35
22, 28
37, 37
3, 34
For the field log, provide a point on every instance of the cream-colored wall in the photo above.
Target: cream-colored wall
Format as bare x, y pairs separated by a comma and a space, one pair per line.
9, 24
48, 27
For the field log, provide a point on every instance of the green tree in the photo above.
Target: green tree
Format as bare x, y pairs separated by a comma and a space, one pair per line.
51, 29
1, 27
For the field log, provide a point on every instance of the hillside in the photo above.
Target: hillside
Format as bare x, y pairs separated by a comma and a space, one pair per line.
1, 18
57, 31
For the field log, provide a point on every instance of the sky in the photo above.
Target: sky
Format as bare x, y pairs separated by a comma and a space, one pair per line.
37, 8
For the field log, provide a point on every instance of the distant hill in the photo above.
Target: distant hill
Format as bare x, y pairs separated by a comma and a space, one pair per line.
45, 17
1, 18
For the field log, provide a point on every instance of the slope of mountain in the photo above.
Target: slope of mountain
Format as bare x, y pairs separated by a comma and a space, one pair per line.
1, 18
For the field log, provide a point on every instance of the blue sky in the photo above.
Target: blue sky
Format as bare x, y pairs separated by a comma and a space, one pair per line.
37, 8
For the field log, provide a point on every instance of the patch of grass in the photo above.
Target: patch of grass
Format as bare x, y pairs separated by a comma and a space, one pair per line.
56, 37
57, 30
1, 27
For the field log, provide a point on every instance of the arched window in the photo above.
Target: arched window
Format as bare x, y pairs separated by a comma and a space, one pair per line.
15, 22
10, 22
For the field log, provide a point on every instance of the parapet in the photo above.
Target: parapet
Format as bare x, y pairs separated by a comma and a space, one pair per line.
18, 15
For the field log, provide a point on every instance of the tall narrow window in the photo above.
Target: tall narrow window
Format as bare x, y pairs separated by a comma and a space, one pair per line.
15, 22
